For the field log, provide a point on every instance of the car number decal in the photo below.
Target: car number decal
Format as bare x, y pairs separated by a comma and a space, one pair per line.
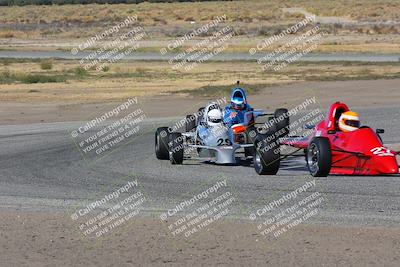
381, 151
224, 142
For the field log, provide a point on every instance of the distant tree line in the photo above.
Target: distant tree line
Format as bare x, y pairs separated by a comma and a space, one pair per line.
84, 2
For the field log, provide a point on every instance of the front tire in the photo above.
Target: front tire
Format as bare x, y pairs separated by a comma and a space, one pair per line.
176, 148
319, 157
161, 143
266, 155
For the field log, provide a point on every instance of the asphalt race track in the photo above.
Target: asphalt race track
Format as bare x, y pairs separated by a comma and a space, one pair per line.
42, 169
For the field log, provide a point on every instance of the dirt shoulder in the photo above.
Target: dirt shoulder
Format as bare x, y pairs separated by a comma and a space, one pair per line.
68, 82
371, 94
48, 239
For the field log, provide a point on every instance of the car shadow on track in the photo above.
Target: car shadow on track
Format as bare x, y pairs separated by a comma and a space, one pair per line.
288, 165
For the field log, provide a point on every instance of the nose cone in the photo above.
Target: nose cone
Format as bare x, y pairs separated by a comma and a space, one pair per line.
387, 165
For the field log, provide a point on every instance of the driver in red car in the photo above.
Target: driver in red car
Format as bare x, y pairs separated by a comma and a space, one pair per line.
349, 121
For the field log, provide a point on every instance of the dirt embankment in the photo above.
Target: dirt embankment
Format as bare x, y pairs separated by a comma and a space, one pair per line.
355, 93
44, 239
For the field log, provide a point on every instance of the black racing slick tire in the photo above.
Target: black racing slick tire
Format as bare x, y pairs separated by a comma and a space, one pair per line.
176, 148
200, 115
282, 121
248, 151
190, 123
266, 155
161, 143
251, 134
319, 157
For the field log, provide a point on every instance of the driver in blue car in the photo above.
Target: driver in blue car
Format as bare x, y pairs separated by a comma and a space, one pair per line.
234, 113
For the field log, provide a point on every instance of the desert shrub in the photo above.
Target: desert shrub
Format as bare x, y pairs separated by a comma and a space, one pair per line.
6, 77
6, 34
297, 15
6, 61
160, 20
40, 78
46, 65
80, 72
189, 19
141, 72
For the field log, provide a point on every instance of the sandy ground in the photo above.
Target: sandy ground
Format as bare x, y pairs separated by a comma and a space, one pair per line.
51, 238
43, 239
355, 93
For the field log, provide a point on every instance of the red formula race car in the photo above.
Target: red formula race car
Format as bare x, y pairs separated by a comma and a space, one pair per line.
331, 151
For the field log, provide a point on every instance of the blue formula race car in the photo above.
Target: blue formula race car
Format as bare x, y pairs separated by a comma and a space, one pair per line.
222, 136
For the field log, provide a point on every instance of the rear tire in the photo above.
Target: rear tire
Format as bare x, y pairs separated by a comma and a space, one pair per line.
248, 151
284, 123
251, 134
176, 148
161, 143
200, 115
190, 123
266, 155
319, 157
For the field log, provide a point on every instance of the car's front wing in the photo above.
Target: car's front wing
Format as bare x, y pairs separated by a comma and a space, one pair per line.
225, 154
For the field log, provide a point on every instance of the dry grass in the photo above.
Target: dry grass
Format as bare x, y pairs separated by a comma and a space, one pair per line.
365, 10
157, 78
242, 11
58, 27
148, 13
172, 19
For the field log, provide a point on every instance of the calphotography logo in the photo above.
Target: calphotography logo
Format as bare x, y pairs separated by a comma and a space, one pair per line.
195, 33
199, 210
282, 214
107, 33
109, 130
194, 52
104, 52
293, 49
303, 117
113, 210
291, 30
